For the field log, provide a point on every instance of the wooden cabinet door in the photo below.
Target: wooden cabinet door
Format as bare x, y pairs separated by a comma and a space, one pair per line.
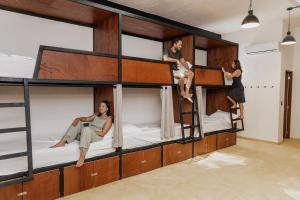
206, 145
106, 170
131, 163
12, 192
78, 179
43, 186
226, 140
174, 153
141, 161
152, 159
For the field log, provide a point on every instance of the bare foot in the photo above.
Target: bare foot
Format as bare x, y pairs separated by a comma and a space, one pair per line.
60, 144
79, 163
241, 117
233, 106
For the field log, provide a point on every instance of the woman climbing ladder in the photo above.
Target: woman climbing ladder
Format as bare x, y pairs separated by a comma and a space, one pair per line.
236, 93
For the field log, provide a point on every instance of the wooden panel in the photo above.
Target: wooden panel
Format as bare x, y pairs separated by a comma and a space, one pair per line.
44, 186
78, 179
148, 29
174, 153
209, 76
60, 9
141, 161
101, 94
72, 66
137, 71
207, 43
206, 145
11, 192
152, 159
106, 35
226, 140
222, 57
187, 48
187, 107
107, 170
216, 100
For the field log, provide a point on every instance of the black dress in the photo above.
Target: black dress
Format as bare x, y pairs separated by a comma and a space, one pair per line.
236, 91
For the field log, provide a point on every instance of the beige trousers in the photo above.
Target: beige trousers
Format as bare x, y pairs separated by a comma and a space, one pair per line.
85, 136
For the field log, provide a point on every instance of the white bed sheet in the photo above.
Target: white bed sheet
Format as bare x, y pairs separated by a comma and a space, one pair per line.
44, 156
217, 121
144, 135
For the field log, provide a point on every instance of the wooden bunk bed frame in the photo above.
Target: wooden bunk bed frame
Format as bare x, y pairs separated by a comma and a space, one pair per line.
109, 21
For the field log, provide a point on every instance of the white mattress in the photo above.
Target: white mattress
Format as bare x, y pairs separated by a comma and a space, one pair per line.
147, 134
43, 155
16, 66
219, 120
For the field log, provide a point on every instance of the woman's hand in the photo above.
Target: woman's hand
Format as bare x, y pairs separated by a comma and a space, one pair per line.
75, 122
100, 133
178, 63
224, 71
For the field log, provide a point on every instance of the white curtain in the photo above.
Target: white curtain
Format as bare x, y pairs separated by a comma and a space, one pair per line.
199, 102
167, 130
118, 129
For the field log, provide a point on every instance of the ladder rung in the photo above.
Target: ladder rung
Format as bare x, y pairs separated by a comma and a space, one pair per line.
237, 119
13, 155
11, 130
190, 126
237, 129
237, 108
8, 105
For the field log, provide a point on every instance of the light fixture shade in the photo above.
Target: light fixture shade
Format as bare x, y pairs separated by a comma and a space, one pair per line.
288, 39
251, 21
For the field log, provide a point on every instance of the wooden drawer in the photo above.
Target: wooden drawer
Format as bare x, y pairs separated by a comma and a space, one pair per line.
206, 145
137, 71
209, 76
174, 153
107, 170
78, 179
11, 192
141, 161
43, 186
226, 139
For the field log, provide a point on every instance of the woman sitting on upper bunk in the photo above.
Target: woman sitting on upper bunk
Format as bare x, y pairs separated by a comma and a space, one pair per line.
236, 93
100, 125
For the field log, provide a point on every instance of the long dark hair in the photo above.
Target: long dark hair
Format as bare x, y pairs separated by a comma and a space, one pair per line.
237, 64
108, 107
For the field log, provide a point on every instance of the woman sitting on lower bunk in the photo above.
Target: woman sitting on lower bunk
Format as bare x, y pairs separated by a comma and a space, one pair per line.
236, 93
99, 126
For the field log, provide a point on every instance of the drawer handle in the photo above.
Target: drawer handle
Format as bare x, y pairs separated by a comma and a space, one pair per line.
22, 194
94, 174
178, 152
143, 161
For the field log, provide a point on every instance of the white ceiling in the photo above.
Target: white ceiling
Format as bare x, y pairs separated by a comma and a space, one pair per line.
220, 16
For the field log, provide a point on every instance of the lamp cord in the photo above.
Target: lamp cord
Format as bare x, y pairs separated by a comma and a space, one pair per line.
250, 7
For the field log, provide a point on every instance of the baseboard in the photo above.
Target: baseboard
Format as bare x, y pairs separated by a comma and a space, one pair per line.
258, 140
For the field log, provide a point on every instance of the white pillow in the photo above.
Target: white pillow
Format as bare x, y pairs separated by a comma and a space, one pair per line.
110, 133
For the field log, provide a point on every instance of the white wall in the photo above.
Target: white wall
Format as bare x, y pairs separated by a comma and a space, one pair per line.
142, 48
52, 109
295, 112
262, 107
22, 35
141, 105
200, 57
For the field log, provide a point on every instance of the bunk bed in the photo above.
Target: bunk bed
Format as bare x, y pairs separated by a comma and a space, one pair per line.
106, 68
